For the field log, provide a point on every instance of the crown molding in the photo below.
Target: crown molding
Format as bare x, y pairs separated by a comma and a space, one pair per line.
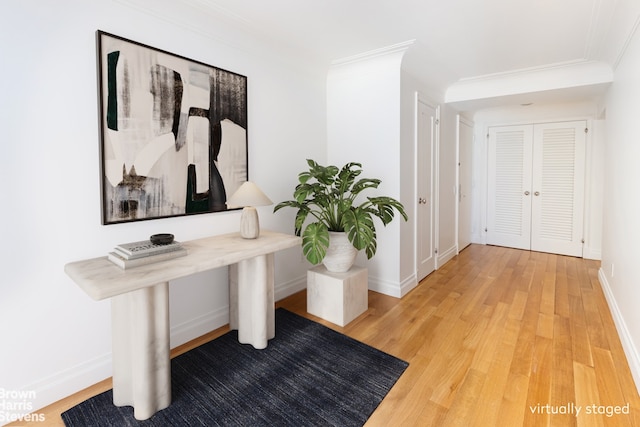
160, 14
626, 43
383, 51
528, 71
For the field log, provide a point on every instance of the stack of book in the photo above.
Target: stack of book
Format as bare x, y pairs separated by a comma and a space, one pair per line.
134, 254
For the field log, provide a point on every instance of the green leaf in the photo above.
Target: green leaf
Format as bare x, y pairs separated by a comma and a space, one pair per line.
288, 203
315, 241
302, 191
303, 177
385, 207
359, 227
346, 177
323, 174
371, 248
363, 184
301, 216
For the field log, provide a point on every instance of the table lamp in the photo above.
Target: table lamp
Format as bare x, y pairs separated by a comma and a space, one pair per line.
249, 196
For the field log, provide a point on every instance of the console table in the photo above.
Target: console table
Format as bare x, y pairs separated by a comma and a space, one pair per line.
140, 308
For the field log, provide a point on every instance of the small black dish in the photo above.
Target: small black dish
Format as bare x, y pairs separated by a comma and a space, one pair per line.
161, 239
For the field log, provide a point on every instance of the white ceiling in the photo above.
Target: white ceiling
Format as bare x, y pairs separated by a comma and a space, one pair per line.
454, 39
472, 37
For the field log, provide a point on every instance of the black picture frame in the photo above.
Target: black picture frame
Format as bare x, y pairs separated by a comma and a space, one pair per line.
173, 132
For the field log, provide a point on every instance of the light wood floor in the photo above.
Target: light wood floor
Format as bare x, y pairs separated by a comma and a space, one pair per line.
496, 337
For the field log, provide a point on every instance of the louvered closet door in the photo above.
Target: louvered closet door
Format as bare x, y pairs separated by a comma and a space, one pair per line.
509, 176
558, 188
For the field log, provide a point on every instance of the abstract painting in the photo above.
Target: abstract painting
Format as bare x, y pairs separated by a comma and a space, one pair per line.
173, 132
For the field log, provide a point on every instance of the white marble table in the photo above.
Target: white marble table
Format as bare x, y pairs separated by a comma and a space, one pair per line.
140, 308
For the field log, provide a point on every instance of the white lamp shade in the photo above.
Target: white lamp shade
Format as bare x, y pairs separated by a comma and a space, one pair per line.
248, 195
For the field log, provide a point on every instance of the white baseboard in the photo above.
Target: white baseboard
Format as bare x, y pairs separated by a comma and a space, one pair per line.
198, 326
445, 256
630, 350
408, 284
285, 289
393, 289
66, 382
384, 287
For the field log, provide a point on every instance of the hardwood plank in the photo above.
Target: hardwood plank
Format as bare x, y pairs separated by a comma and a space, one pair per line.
562, 288
593, 320
490, 400
518, 305
573, 281
486, 351
545, 325
609, 388
522, 358
496, 336
548, 297
579, 333
562, 389
464, 407
539, 393
587, 395
514, 401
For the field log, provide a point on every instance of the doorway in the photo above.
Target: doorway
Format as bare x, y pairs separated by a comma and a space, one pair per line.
465, 156
536, 187
426, 143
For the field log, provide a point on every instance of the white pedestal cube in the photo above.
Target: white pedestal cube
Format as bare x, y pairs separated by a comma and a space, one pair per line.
337, 297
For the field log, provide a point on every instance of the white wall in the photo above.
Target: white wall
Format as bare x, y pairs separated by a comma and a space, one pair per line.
371, 119
363, 125
56, 340
619, 273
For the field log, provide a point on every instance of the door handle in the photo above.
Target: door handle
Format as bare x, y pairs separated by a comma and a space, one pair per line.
537, 193
526, 193
422, 201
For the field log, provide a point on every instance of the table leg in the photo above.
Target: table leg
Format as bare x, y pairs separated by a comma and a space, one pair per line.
251, 305
141, 361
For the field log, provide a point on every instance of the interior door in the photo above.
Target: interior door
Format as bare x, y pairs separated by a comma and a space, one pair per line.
509, 186
426, 122
536, 187
465, 152
558, 188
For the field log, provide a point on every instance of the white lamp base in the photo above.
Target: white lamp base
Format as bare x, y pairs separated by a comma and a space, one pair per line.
249, 223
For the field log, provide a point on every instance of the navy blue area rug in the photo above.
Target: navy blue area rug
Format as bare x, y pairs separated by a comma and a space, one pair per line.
309, 375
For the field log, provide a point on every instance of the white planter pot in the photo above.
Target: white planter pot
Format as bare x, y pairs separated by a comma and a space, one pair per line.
340, 254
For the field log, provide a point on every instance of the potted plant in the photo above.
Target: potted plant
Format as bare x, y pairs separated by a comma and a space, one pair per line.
330, 196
